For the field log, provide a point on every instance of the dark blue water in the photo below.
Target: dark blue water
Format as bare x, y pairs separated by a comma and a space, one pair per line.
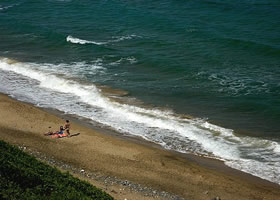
214, 60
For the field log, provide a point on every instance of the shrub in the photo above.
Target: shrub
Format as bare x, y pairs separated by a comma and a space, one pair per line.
22, 176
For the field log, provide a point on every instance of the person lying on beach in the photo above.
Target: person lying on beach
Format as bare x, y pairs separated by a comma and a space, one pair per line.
50, 132
60, 132
67, 127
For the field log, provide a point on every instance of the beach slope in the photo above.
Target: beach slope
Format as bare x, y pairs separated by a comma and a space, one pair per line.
93, 151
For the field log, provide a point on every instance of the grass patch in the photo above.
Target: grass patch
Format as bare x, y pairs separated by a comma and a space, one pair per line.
22, 176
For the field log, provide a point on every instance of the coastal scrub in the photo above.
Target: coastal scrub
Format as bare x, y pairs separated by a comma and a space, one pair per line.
24, 177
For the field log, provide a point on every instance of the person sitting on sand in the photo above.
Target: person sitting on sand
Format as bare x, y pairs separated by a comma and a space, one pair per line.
60, 133
67, 127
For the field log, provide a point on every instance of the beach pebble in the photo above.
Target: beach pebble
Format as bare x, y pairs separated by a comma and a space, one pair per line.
125, 182
113, 191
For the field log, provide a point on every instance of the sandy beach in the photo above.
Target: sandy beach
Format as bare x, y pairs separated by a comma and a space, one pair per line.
126, 162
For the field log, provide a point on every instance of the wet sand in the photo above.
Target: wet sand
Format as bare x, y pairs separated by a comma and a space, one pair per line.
126, 162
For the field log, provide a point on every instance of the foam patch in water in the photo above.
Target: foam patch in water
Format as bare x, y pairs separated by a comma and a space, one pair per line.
81, 41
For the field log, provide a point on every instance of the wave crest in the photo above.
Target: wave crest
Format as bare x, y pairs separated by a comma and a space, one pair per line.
7, 7
125, 37
115, 39
81, 41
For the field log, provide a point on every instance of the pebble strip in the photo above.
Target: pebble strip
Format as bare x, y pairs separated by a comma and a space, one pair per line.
106, 180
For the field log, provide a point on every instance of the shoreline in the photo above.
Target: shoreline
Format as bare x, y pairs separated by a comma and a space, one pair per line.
210, 163
128, 158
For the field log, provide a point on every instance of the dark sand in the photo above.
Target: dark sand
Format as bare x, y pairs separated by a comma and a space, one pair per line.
98, 151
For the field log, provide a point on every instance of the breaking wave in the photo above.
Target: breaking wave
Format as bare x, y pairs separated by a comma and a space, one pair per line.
40, 85
81, 41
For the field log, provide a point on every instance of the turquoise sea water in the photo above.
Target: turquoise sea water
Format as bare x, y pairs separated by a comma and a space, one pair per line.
216, 61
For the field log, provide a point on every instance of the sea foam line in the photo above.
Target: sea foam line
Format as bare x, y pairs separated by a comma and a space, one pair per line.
163, 127
151, 118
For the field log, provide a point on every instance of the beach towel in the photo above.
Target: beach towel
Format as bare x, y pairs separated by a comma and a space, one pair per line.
59, 135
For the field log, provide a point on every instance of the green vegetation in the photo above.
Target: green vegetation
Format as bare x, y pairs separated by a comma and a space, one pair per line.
24, 177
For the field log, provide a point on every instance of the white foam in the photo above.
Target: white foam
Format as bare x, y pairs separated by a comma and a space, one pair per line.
7, 7
163, 127
257, 168
81, 41
276, 147
131, 60
125, 37
115, 39
240, 82
152, 118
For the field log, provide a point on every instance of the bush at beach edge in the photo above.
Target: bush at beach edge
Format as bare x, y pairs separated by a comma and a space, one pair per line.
24, 177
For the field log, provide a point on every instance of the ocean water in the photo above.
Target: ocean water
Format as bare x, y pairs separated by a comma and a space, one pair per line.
198, 76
